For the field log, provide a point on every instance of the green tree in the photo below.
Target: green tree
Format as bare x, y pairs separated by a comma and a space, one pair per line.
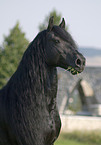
14, 46
57, 19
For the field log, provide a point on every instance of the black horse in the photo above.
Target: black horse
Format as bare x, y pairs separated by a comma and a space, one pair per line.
28, 106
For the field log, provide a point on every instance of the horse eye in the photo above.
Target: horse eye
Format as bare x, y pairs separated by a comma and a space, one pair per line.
57, 41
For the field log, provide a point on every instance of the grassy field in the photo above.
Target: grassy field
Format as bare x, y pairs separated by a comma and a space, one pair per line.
80, 138
68, 142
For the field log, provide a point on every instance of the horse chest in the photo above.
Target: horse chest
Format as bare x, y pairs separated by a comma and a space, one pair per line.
53, 120
53, 126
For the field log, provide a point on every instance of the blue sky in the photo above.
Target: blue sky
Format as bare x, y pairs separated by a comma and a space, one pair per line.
82, 16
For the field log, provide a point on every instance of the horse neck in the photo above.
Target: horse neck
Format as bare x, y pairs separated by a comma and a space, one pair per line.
34, 76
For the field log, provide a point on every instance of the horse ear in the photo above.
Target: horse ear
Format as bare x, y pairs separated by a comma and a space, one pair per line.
51, 22
62, 24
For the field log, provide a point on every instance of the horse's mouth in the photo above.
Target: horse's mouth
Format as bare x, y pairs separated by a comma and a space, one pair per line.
73, 70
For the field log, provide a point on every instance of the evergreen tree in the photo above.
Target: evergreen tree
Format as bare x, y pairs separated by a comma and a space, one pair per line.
14, 46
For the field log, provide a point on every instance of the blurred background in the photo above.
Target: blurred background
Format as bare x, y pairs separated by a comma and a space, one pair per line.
78, 97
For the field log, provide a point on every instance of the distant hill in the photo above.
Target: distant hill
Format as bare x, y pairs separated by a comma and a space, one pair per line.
90, 52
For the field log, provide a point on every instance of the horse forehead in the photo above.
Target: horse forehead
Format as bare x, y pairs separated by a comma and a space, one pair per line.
60, 32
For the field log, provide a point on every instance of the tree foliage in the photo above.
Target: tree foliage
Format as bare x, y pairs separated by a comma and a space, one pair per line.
13, 48
57, 19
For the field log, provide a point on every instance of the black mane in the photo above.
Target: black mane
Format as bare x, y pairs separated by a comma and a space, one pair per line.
32, 61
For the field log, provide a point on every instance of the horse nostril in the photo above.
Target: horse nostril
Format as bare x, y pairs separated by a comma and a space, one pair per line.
78, 62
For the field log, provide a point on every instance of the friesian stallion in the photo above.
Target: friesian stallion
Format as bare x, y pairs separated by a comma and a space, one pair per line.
28, 104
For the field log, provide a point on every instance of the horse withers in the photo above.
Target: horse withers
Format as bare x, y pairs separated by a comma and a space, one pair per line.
28, 104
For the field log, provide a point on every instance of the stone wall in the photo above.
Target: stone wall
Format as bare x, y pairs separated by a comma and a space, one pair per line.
80, 123
67, 81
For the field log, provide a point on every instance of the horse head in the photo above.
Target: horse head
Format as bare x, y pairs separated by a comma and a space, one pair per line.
61, 50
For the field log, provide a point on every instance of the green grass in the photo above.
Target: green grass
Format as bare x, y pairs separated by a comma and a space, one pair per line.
80, 138
68, 142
